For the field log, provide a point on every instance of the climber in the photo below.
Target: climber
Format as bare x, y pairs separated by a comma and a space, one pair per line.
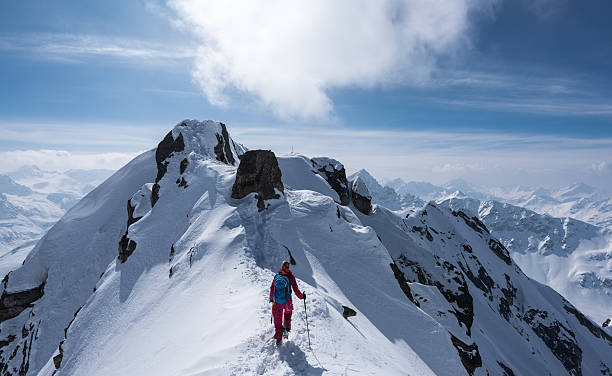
280, 297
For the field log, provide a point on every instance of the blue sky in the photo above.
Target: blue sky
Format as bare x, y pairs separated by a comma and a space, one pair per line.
509, 91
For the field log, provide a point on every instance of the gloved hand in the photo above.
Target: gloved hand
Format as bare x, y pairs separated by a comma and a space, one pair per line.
304, 295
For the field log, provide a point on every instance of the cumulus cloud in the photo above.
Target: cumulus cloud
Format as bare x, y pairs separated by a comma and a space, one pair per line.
290, 54
62, 160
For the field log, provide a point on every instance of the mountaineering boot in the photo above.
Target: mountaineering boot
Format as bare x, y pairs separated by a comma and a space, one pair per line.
286, 333
278, 342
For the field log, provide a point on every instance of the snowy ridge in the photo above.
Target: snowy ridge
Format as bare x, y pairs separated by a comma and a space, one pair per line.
568, 255
171, 275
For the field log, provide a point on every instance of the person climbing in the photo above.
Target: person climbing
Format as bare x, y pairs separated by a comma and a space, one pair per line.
280, 297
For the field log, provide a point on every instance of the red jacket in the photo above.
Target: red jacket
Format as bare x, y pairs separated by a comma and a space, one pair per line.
292, 285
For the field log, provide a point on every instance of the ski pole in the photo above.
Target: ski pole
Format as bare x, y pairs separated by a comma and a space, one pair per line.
307, 330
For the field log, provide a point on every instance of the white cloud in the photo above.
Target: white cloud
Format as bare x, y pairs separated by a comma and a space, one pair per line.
62, 160
289, 54
71, 48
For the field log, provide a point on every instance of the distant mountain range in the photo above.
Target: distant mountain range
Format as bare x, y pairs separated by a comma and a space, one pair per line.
31, 201
578, 201
558, 237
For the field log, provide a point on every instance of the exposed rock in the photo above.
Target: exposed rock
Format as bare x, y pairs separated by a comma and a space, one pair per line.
507, 370
401, 279
348, 312
12, 304
258, 172
560, 340
423, 231
450, 282
333, 172
164, 149
473, 222
500, 251
361, 196
182, 182
606, 323
594, 329
469, 354
57, 360
184, 164
6, 342
223, 149
127, 246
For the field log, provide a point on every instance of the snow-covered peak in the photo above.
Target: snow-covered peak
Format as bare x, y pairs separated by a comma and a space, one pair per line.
207, 138
360, 187
368, 179
8, 185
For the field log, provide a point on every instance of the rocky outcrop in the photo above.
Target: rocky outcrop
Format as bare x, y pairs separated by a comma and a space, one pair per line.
223, 150
560, 340
258, 172
469, 354
12, 304
165, 148
335, 175
361, 196
126, 245
348, 312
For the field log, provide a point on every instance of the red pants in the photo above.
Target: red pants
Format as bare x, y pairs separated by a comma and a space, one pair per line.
278, 311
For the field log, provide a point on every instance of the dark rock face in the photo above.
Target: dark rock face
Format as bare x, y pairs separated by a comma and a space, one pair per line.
165, 148
336, 179
126, 245
258, 172
500, 251
470, 357
594, 329
606, 323
560, 340
184, 164
451, 284
12, 304
362, 203
473, 222
403, 283
126, 248
223, 150
507, 370
57, 360
348, 312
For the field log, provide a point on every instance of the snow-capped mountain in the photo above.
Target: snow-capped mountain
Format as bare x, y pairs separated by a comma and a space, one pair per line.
386, 195
578, 201
425, 191
571, 256
165, 268
31, 201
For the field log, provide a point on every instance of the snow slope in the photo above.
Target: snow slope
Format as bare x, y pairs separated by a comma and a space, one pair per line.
33, 203
571, 256
433, 293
